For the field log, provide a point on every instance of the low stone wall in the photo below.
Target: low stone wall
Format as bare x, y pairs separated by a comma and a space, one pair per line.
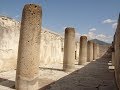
51, 48
9, 35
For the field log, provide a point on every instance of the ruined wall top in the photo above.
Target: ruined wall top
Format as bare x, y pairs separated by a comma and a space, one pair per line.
9, 23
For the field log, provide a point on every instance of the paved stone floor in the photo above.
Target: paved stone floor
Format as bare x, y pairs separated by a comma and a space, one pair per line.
97, 75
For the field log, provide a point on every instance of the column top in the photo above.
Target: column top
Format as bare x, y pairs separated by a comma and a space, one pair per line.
32, 8
69, 29
83, 37
90, 42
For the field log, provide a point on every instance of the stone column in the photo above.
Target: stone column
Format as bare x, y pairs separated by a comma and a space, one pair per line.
89, 51
83, 50
29, 48
98, 51
94, 51
69, 49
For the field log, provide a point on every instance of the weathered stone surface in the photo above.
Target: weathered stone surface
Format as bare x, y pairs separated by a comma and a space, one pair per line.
98, 51
93, 76
117, 53
9, 35
52, 48
77, 50
94, 51
29, 48
89, 51
52, 45
113, 58
69, 49
83, 50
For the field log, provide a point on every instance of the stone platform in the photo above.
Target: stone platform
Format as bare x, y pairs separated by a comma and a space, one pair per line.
93, 76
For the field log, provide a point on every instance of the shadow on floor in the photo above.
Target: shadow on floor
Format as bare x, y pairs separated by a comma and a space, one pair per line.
7, 83
44, 68
94, 76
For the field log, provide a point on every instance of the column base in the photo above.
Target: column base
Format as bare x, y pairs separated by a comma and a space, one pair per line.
26, 84
68, 68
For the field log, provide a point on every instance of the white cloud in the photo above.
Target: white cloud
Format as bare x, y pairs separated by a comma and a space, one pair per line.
77, 36
109, 21
91, 35
114, 25
106, 38
102, 37
92, 29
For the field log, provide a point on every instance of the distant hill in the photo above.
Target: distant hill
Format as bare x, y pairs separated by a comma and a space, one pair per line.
100, 42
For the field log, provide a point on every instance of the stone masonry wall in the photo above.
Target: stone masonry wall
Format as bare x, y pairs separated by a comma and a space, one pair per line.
51, 45
9, 35
51, 49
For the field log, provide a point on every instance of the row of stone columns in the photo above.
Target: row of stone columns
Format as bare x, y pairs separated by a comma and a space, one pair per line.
116, 53
27, 72
88, 51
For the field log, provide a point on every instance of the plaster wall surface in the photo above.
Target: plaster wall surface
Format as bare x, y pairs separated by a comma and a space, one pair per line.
51, 47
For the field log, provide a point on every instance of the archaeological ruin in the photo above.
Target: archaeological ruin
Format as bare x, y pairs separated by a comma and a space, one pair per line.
35, 58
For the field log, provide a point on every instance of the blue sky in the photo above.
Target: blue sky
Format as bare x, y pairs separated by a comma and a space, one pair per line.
94, 18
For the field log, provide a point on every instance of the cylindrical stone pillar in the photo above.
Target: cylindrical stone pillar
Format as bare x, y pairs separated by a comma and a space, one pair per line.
83, 50
94, 51
29, 48
89, 51
69, 49
98, 51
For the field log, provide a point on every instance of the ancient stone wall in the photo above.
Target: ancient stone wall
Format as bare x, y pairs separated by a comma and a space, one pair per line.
51, 49
77, 44
9, 35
